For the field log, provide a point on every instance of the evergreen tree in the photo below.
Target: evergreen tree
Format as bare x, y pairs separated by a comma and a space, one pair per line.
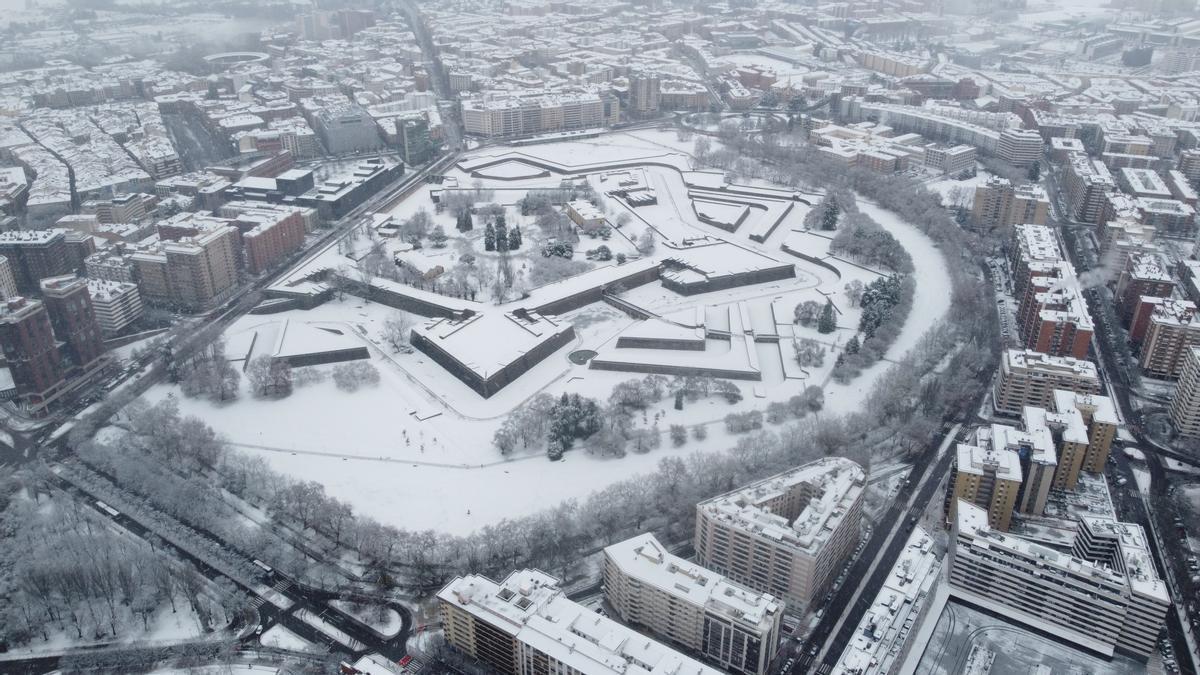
853, 346
464, 223
489, 238
501, 235
514, 239
438, 236
829, 219
679, 400
827, 323
1035, 171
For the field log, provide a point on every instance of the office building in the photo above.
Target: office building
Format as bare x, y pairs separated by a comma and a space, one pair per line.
787, 535
988, 476
732, 626
347, 129
1185, 403
1029, 378
525, 625
885, 633
30, 350
117, 305
951, 161
1086, 603
74, 321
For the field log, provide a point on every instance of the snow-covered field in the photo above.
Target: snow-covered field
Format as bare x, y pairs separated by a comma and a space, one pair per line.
387, 623
281, 638
415, 451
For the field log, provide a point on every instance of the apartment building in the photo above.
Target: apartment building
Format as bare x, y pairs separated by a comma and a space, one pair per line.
998, 203
74, 321
951, 161
1185, 403
194, 274
988, 476
1172, 329
787, 535
1087, 603
1053, 317
1144, 275
1087, 181
645, 94
30, 350
269, 232
1021, 147
35, 255
522, 116
884, 635
117, 305
1124, 548
730, 625
1029, 378
525, 625
8, 282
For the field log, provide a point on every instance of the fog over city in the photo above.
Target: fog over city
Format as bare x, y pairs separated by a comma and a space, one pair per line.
629, 337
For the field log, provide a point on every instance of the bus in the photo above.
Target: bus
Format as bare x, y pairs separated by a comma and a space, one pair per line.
107, 509
266, 569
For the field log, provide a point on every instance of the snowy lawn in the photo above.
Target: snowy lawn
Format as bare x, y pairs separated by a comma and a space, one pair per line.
383, 620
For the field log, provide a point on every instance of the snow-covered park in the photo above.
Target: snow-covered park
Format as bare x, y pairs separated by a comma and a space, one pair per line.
416, 448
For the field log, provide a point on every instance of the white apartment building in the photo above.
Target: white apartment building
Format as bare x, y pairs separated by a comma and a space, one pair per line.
1021, 147
520, 116
1083, 602
732, 626
1185, 404
882, 640
787, 535
525, 625
1124, 548
117, 304
1029, 378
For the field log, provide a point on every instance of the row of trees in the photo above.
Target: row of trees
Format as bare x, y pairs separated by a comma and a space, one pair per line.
886, 303
862, 239
63, 570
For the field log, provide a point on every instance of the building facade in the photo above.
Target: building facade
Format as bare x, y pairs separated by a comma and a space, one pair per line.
732, 626
787, 535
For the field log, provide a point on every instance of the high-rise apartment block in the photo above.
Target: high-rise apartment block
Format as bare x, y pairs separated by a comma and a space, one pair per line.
194, 274
30, 350
730, 625
69, 305
998, 203
525, 625
1144, 275
645, 93
1087, 603
988, 477
787, 535
8, 282
1185, 404
35, 255
117, 305
1173, 329
1029, 378
1021, 147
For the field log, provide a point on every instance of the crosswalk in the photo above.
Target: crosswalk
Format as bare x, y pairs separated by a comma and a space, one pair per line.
280, 587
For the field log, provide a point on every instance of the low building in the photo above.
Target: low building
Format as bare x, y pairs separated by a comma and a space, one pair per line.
585, 215
730, 625
886, 634
525, 625
787, 535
